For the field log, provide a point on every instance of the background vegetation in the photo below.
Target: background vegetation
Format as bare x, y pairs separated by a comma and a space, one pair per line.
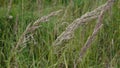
37, 53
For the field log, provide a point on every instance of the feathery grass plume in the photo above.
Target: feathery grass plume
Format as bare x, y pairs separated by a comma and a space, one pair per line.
68, 33
96, 30
32, 27
87, 44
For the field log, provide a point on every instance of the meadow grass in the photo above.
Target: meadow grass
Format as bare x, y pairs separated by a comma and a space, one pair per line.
38, 51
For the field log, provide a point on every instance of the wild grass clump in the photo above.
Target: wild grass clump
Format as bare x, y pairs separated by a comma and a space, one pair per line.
27, 43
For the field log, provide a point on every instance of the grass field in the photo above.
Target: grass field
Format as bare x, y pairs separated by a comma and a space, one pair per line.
35, 49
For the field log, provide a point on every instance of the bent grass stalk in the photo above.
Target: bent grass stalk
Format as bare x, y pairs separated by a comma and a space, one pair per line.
68, 33
96, 30
31, 28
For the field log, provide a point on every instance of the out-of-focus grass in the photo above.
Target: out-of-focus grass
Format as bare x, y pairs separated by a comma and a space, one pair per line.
40, 55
